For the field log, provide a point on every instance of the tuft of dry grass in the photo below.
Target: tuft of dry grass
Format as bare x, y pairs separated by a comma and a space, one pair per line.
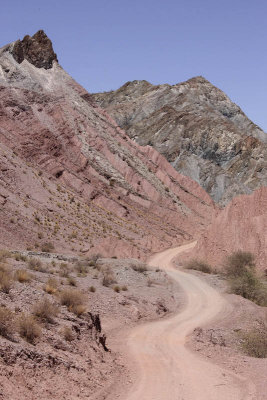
46, 311
124, 288
51, 286
20, 257
74, 300
7, 326
28, 328
6, 279
79, 309
64, 270
72, 281
108, 278
117, 289
36, 265
67, 334
92, 289
4, 254
22, 275
47, 247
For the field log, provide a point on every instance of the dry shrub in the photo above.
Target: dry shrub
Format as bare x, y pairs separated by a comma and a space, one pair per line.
72, 281
124, 288
29, 328
249, 286
6, 279
45, 311
7, 326
254, 342
117, 289
139, 268
22, 276
79, 309
36, 265
64, 270
92, 289
47, 247
67, 334
238, 263
108, 278
20, 257
73, 299
81, 267
199, 265
243, 278
51, 286
4, 254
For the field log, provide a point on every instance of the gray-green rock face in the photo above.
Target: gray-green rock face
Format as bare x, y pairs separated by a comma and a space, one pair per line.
200, 131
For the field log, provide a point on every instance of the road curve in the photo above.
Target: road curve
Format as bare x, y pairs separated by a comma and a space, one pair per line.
167, 369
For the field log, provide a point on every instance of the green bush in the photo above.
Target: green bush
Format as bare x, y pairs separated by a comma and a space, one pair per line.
238, 262
254, 343
199, 265
244, 279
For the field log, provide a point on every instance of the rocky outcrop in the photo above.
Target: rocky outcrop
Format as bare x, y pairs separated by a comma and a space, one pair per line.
199, 130
74, 176
242, 225
38, 50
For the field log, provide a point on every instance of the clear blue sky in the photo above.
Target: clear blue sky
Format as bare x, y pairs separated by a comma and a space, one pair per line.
104, 43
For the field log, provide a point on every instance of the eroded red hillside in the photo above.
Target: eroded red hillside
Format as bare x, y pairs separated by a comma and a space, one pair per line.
70, 175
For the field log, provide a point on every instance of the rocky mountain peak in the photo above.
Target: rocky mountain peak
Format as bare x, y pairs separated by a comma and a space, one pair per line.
36, 49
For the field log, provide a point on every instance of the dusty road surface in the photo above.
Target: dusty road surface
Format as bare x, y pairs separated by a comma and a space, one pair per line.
167, 370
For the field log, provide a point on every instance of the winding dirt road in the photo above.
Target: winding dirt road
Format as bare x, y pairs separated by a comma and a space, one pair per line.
167, 369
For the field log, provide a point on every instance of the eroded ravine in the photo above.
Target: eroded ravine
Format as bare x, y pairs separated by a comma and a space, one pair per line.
167, 370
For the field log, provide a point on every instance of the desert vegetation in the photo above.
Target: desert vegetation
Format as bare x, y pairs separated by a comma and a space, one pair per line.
254, 342
244, 279
28, 328
199, 265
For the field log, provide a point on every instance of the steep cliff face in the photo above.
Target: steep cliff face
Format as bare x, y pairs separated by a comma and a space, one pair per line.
198, 129
242, 225
72, 175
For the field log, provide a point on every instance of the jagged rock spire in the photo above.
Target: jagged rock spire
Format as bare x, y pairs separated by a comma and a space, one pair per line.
38, 50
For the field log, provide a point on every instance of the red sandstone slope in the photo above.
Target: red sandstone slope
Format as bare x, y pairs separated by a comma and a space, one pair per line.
242, 225
70, 175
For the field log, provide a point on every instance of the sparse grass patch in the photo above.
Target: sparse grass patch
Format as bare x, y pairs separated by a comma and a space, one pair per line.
36, 265
51, 286
6, 279
20, 257
4, 254
47, 247
81, 267
108, 278
7, 326
28, 328
64, 270
22, 275
45, 310
199, 265
72, 281
67, 334
72, 298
